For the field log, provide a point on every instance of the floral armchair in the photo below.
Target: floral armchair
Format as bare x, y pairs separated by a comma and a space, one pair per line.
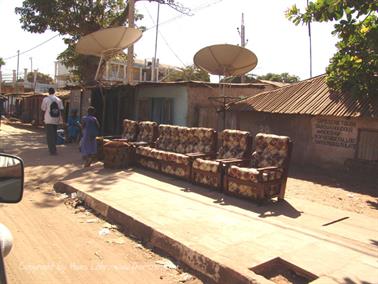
235, 147
266, 175
175, 148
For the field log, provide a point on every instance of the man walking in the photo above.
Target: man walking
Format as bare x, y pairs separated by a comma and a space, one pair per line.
52, 107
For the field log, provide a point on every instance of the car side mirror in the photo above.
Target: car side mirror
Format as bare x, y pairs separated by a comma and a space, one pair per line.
11, 178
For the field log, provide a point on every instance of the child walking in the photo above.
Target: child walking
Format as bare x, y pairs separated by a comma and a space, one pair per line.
88, 145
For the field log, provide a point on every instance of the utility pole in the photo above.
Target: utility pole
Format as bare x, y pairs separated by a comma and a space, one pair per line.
18, 64
153, 70
130, 50
31, 64
309, 35
242, 32
242, 42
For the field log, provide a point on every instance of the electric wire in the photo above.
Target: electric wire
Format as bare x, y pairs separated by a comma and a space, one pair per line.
166, 42
26, 51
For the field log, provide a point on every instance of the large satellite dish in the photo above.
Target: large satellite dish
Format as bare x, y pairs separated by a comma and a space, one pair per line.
108, 42
225, 60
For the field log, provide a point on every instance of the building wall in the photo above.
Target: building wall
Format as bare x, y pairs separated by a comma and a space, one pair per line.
319, 140
175, 92
202, 111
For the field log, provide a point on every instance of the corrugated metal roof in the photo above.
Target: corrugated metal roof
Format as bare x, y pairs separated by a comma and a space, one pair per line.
60, 93
311, 96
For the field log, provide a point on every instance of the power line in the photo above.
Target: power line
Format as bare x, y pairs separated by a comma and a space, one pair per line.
166, 42
21, 53
196, 9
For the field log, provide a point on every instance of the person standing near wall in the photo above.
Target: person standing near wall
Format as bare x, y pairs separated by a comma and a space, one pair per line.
88, 143
52, 107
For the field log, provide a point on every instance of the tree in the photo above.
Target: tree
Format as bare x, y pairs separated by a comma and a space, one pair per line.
74, 19
283, 77
41, 78
189, 73
353, 68
248, 78
2, 62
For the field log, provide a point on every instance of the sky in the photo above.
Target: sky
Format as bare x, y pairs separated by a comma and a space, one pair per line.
279, 45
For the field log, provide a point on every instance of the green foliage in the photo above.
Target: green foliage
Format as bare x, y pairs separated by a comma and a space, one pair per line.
354, 66
248, 78
2, 62
283, 77
189, 73
73, 19
41, 78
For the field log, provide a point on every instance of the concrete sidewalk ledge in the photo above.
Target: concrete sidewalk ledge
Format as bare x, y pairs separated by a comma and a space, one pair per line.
223, 237
217, 272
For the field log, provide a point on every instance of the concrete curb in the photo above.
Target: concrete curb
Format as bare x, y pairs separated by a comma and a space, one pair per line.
200, 263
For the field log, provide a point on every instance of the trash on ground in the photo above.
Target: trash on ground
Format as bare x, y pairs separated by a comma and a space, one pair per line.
139, 246
166, 263
185, 277
73, 195
110, 226
104, 232
62, 196
119, 241
94, 220
79, 209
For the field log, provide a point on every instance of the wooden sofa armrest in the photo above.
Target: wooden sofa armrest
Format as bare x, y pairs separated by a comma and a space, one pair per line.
120, 140
234, 161
267, 169
139, 143
113, 137
196, 155
230, 160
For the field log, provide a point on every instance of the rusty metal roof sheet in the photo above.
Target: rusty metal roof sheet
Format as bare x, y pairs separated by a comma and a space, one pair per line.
312, 97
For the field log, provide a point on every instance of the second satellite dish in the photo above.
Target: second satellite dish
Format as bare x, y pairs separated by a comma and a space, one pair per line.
225, 60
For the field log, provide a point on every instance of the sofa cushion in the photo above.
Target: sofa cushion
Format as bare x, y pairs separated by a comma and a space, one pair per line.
206, 165
234, 144
149, 164
147, 131
179, 158
146, 151
206, 179
271, 150
252, 174
130, 128
201, 140
164, 140
177, 171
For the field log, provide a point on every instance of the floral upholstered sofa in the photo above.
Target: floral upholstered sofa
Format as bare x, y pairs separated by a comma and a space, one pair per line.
175, 149
265, 176
235, 147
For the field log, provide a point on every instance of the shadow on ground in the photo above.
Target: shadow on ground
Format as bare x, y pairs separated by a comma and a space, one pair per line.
268, 209
352, 182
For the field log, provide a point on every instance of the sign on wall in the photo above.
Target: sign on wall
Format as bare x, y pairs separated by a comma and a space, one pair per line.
339, 133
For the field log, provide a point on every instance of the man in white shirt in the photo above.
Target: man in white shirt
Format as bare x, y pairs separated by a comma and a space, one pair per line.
52, 107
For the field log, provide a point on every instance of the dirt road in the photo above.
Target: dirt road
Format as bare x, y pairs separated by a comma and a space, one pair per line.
54, 243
